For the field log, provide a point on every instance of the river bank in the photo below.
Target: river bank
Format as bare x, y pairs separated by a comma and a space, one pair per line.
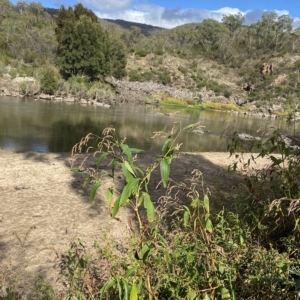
44, 208
143, 93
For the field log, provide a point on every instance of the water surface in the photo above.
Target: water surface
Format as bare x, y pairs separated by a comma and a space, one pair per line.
44, 126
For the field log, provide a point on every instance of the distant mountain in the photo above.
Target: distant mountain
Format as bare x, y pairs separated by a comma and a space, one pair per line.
145, 29
51, 11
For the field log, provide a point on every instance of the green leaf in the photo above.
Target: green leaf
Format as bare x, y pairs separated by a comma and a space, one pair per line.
186, 218
242, 241
206, 297
191, 257
80, 171
125, 290
192, 295
116, 207
195, 203
149, 207
109, 194
101, 158
130, 188
120, 289
209, 226
164, 171
135, 150
126, 150
130, 271
86, 181
166, 146
225, 293
191, 126
128, 167
221, 269
145, 252
107, 286
127, 174
206, 203
141, 199
94, 190
134, 292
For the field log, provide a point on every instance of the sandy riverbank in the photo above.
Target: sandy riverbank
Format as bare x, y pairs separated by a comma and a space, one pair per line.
44, 207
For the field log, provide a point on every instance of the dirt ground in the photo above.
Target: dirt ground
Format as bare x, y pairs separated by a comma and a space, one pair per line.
43, 208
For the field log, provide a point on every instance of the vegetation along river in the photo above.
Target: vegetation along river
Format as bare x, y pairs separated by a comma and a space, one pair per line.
43, 126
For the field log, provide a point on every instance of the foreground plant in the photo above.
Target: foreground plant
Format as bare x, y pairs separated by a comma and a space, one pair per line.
183, 250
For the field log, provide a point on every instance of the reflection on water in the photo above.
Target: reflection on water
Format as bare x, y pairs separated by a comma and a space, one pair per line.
42, 126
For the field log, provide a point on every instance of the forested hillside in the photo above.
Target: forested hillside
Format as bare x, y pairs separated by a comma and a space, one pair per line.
257, 64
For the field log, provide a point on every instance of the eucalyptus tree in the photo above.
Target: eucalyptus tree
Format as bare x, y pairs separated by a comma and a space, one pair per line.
233, 22
212, 37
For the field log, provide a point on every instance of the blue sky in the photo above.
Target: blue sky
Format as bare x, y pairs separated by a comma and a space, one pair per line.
168, 14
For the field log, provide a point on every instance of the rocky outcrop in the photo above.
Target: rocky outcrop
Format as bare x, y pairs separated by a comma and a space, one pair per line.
142, 90
267, 69
248, 87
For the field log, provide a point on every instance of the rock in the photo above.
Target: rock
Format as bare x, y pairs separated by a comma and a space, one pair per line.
45, 97
239, 101
267, 69
24, 79
199, 131
70, 99
248, 87
247, 137
275, 108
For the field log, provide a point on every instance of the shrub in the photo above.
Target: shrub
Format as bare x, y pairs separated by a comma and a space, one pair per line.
141, 53
164, 78
182, 70
134, 76
158, 52
49, 82
227, 94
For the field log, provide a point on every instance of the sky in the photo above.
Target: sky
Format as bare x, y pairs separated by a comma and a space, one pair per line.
172, 13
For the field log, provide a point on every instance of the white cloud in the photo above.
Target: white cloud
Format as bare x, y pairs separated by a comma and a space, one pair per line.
148, 13
296, 22
107, 5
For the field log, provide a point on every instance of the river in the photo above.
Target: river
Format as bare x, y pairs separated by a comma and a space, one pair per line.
44, 126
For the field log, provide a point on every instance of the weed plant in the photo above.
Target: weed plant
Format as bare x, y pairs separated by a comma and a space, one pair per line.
183, 250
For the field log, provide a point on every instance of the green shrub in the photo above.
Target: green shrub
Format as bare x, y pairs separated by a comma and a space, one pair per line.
182, 70
227, 94
164, 78
141, 53
78, 85
135, 76
49, 82
30, 56
158, 52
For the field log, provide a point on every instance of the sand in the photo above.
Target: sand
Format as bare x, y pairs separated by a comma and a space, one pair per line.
43, 208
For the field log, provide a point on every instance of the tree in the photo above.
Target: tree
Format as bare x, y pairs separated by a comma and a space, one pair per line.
233, 22
117, 57
211, 35
84, 48
49, 82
